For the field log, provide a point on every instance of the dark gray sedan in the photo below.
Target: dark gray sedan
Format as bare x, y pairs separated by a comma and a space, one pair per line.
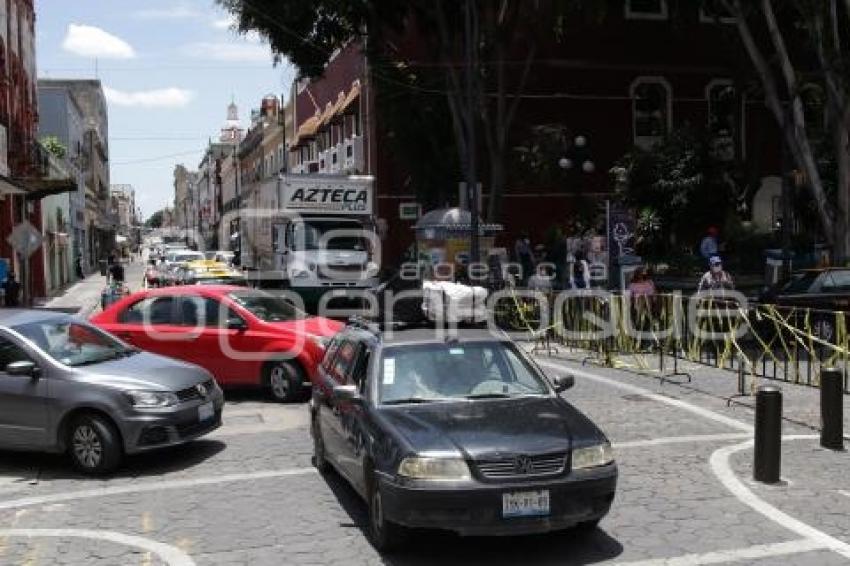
67, 386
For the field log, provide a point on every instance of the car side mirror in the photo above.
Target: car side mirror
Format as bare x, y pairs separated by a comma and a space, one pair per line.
23, 367
346, 393
236, 323
563, 382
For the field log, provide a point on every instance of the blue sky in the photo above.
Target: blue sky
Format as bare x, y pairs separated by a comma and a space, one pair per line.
170, 69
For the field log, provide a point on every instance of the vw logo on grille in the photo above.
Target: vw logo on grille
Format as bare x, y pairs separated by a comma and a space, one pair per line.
202, 390
523, 465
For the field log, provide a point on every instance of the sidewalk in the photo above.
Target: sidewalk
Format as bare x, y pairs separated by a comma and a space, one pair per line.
81, 298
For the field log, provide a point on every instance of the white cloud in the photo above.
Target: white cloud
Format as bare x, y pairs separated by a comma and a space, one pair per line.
228, 52
227, 22
91, 41
157, 98
176, 12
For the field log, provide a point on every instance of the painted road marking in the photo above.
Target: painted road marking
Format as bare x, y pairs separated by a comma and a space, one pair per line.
682, 440
685, 406
734, 555
719, 462
169, 554
150, 486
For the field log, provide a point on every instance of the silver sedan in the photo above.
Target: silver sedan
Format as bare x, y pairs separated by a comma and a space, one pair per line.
69, 387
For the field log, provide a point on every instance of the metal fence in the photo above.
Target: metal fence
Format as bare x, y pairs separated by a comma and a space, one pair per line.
780, 343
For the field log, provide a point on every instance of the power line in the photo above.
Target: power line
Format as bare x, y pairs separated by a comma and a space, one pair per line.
158, 158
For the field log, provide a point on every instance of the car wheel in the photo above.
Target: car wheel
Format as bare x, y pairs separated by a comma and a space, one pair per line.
385, 535
319, 459
284, 381
94, 445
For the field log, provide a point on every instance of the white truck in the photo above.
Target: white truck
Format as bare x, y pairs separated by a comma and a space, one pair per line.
320, 238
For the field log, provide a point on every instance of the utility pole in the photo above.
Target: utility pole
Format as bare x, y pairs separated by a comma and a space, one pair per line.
471, 174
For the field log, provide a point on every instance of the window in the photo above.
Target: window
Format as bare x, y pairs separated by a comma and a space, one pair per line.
722, 118
838, 280
73, 343
10, 353
345, 358
646, 9
713, 11
651, 110
152, 310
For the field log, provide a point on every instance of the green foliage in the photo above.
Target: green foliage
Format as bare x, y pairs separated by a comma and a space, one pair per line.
679, 189
155, 219
54, 146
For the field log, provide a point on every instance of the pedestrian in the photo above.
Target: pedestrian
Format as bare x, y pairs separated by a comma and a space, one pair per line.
709, 246
523, 256
580, 276
116, 271
78, 265
542, 279
715, 279
12, 290
641, 284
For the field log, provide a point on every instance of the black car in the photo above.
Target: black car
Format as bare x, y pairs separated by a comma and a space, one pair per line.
823, 290
460, 432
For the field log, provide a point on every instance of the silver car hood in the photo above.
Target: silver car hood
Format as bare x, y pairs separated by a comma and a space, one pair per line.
145, 371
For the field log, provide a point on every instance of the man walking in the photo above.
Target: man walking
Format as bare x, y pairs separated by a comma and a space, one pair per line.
715, 279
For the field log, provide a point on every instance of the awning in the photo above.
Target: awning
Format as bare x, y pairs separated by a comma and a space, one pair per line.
10, 186
352, 96
308, 128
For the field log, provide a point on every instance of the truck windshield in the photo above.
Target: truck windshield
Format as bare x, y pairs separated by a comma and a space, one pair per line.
329, 235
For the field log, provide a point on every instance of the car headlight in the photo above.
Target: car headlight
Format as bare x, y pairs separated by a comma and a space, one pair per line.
445, 469
592, 456
152, 399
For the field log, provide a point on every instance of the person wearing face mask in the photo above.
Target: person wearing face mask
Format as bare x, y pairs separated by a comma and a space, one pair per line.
715, 279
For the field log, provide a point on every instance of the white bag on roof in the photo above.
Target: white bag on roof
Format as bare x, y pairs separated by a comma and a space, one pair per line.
453, 302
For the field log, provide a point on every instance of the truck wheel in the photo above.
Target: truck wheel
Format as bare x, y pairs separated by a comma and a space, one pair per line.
284, 381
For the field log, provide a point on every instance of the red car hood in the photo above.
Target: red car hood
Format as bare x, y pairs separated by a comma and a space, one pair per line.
314, 326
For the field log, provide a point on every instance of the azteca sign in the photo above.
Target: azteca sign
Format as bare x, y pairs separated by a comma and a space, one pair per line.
339, 197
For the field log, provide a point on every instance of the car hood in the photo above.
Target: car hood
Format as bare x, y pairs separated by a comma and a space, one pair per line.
492, 427
145, 371
311, 326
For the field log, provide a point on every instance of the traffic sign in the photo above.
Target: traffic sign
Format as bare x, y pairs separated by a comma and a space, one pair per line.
25, 239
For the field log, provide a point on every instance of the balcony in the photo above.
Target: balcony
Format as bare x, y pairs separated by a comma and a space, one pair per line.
36, 172
353, 162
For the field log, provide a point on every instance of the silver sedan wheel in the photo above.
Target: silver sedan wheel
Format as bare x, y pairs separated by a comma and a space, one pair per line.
87, 446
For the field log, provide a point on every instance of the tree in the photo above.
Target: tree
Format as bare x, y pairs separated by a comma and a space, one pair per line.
155, 219
805, 41
307, 33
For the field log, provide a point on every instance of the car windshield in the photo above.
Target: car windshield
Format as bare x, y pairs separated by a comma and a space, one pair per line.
800, 282
73, 343
314, 234
267, 307
439, 372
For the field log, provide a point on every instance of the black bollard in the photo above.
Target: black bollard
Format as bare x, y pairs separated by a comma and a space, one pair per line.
767, 458
832, 408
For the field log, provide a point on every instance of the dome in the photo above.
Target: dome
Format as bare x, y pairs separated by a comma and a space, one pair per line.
444, 221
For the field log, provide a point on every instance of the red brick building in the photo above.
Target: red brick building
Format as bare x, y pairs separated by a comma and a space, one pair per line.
27, 171
626, 81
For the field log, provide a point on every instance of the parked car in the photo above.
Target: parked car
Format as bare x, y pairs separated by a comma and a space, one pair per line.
465, 434
825, 290
69, 387
244, 337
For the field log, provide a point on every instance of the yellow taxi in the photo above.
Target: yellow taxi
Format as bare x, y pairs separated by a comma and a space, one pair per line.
211, 272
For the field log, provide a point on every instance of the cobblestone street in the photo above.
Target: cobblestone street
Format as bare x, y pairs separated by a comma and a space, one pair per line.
249, 495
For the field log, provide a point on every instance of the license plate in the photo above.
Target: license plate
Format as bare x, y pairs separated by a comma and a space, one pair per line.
206, 412
525, 503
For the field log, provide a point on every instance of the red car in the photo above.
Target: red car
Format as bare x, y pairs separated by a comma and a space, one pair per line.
243, 336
